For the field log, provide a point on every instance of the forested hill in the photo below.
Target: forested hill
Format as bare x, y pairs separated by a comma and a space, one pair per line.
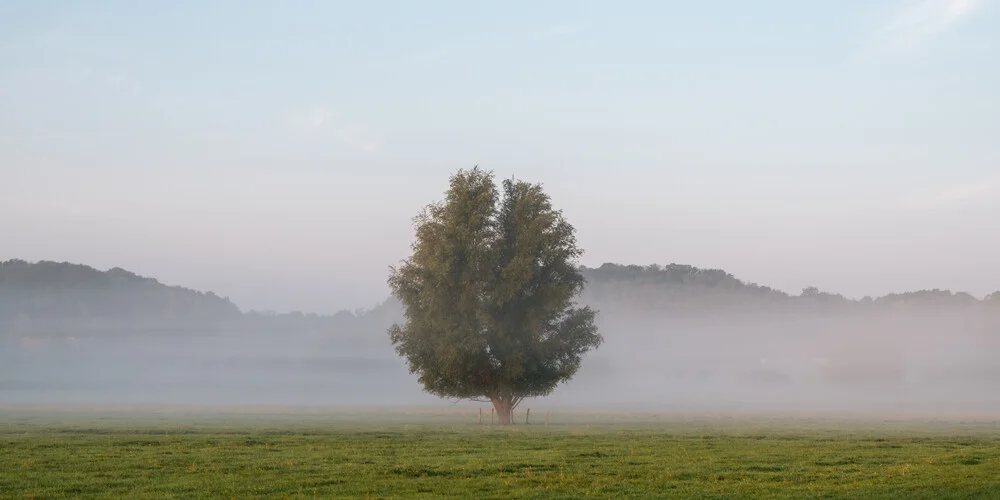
81, 297
65, 290
682, 289
59, 299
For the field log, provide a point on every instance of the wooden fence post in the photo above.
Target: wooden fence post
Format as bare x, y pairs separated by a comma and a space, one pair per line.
480, 416
491, 416
546, 417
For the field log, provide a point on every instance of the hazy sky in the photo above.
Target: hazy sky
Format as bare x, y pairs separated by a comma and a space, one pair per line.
275, 152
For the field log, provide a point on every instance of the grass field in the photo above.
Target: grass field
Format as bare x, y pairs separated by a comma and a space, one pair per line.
323, 455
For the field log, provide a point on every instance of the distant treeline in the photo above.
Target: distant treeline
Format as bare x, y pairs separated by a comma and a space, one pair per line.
45, 299
681, 289
62, 299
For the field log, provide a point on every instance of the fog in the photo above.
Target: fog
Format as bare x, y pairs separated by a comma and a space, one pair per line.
933, 356
220, 369
801, 363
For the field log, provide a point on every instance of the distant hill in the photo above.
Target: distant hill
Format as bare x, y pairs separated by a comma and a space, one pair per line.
65, 290
682, 288
60, 298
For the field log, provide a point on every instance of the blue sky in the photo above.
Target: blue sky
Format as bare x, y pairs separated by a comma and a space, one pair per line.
276, 152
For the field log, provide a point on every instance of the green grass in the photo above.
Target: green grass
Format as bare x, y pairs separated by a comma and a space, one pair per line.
51, 455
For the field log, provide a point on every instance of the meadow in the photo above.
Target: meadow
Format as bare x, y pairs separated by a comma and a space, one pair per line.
427, 454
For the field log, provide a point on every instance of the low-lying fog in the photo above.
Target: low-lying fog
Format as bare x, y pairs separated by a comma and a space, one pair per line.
945, 361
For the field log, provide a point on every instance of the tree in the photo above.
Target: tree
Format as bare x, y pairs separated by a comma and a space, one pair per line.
489, 295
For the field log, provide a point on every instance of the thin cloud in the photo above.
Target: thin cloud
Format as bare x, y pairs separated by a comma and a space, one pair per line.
100, 62
309, 122
474, 50
355, 135
319, 123
116, 81
953, 195
33, 138
122, 83
922, 19
81, 46
565, 30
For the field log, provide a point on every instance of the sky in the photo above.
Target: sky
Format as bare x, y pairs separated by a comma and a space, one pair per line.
276, 152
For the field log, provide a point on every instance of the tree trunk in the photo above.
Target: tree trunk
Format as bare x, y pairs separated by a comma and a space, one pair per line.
504, 410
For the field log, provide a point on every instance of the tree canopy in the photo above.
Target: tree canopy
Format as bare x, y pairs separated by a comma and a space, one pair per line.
489, 295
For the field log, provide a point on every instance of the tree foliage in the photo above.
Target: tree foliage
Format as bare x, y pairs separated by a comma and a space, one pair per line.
489, 295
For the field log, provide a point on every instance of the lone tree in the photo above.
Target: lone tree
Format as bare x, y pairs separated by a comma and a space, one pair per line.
489, 295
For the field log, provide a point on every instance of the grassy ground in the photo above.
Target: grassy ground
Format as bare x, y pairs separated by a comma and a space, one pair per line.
52, 455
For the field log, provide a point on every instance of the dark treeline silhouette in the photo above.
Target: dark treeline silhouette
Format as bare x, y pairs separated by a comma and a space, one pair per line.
52, 299
87, 299
64, 290
59, 299
682, 288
